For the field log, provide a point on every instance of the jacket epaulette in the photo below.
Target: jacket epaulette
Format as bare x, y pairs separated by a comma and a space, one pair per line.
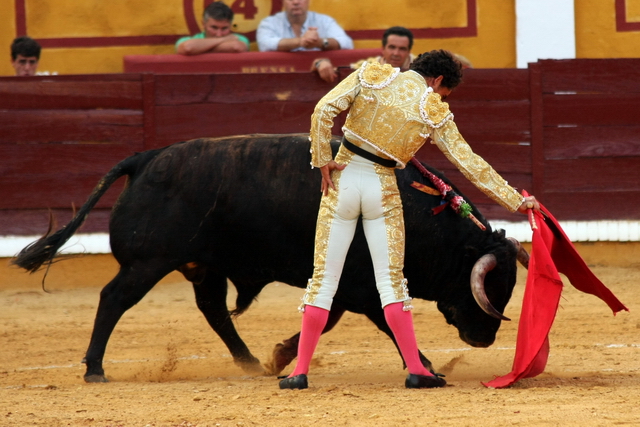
374, 75
434, 111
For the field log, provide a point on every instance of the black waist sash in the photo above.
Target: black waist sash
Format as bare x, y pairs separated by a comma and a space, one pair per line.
388, 163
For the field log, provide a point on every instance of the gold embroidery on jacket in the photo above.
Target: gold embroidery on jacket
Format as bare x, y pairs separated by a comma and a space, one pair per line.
436, 112
374, 75
395, 118
475, 168
336, 101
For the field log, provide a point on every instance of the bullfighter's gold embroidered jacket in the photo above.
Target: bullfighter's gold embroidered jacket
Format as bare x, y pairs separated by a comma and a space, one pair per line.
392, 114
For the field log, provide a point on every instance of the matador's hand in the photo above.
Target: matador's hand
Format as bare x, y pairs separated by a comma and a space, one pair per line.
529, 202
326, 175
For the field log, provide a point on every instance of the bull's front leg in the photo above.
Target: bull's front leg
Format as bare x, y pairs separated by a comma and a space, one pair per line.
284, 353
211, 297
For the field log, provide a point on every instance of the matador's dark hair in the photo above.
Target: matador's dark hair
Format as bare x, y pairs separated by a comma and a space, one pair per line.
439, 63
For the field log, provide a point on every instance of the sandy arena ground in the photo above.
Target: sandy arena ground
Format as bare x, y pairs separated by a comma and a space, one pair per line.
168, 368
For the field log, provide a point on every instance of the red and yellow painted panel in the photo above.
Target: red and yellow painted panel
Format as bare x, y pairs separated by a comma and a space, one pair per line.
92, 36
607, 29
628, 15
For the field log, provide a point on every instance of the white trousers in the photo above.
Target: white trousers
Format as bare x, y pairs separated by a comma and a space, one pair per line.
363, 188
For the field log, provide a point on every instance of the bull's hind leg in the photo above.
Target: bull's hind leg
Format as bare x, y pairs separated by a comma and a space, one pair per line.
377, 317
123, 292
284, 353
211, 297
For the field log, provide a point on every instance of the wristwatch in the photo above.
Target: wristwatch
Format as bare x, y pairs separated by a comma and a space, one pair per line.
325, 43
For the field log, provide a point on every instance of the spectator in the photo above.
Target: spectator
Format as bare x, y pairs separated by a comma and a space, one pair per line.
25, 55
396, 51
217, 36
297, 29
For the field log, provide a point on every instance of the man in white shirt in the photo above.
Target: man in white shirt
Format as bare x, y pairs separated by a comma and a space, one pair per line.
297, 29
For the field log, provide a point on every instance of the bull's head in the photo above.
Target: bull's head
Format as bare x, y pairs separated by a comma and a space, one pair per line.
478, 312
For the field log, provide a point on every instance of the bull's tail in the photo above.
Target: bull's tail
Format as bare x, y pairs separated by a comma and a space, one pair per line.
45, 249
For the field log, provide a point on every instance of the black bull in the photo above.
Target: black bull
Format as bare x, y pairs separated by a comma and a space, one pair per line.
244, 208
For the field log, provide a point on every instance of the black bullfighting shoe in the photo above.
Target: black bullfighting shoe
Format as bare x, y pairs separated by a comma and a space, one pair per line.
424, 381
299, 382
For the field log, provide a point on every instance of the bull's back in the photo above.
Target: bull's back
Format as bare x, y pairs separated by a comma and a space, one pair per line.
221, 199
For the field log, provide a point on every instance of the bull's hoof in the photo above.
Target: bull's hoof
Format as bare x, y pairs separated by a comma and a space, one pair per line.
281, 357
424, 381
95, 378
252, 367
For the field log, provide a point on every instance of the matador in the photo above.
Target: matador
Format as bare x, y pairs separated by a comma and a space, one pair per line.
391, 115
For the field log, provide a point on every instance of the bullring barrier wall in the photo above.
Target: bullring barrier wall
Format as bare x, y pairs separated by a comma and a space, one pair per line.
564, 130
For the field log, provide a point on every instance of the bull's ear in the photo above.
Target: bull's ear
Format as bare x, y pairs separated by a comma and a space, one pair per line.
501, 232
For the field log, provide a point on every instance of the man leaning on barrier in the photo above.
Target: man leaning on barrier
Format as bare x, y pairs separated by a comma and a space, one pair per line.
216, 36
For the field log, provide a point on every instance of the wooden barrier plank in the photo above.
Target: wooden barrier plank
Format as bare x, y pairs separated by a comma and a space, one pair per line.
591, 109
54, 191
503, 157
62, 158
179, 123
591, 141
56, 175
493, 120
592, 174
70, 126
39, 192
495, 212
184, 89
579, 147
25, 222
244, 62
299, 86
149, 110
500, 84
594, 205
537, 130
54, 92
78, 77
619, 75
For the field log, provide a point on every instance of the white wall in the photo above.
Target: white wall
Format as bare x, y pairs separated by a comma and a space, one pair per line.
545, 29
580, 231
577, 231
94, 243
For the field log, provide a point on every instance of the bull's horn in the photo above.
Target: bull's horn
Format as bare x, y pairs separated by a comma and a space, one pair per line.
523, 255
484, 265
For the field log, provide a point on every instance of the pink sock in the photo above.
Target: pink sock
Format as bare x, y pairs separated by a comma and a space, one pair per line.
401, 324
314, 320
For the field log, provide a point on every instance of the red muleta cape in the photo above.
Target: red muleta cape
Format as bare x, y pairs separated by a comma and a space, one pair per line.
551, 252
